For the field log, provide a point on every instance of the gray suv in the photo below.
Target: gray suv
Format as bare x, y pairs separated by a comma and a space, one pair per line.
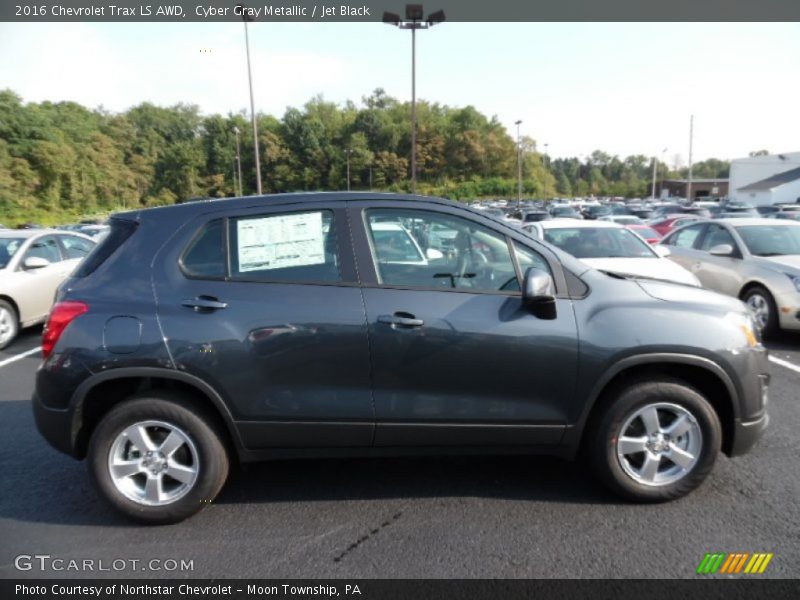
348, 324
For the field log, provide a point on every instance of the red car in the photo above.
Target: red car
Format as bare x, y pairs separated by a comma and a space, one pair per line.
650, 235
666, 224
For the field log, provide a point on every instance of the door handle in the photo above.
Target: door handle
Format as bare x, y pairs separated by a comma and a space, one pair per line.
204, 304
400, 319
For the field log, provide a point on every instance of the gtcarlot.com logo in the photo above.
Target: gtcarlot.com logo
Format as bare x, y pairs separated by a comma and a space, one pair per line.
46, 562
734, 563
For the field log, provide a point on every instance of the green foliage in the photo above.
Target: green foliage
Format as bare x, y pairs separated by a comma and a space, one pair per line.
60, 160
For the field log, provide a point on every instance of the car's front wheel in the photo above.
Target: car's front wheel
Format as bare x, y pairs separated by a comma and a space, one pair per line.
657, 440
9, 324
762, 306
157, 458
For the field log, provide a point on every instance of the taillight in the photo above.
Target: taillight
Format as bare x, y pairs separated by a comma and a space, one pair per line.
61, 315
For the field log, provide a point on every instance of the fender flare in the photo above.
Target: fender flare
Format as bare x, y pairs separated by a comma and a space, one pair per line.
80, 394
574, 434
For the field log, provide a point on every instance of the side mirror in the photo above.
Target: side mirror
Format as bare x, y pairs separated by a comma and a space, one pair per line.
539, 293
34, 262
662, 251
721, 250
434, 254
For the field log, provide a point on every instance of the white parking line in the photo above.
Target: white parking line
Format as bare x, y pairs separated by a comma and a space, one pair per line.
777, 361
13, 359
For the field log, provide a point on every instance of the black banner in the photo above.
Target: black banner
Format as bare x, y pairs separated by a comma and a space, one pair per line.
406, 589
373, 10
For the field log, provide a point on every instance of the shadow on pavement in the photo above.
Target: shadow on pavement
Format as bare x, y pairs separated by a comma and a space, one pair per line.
46, 486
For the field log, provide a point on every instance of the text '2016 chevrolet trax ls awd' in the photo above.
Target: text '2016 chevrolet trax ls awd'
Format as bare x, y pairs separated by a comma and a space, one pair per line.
355, 324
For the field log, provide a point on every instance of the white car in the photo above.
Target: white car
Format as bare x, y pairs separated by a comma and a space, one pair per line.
33, 262
611, 247
622, 219
400, 247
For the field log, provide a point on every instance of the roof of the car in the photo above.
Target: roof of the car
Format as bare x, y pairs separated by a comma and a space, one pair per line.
575, 224
23, 233
279, 199
757, 221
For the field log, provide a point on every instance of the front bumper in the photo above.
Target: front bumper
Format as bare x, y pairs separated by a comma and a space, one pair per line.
788, 311
747, 433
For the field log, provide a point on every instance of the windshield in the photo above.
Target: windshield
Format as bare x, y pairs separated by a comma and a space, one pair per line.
648, 233
771, 240
598, 211
585, 242
563, 210
495, 212
8, 247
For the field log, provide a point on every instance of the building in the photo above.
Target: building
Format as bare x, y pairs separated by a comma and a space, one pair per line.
768, 179
701, 188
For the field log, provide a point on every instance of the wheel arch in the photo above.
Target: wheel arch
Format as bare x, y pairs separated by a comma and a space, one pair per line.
709, 378
14, 305
101, 392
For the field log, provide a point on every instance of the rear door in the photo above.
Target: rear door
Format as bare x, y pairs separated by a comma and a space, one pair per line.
264, 305
456, 358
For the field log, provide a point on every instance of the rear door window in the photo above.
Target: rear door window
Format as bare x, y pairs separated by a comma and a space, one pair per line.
205, 256
76, 247
299, 247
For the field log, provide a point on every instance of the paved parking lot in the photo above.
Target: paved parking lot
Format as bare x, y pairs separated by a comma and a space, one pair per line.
442, 517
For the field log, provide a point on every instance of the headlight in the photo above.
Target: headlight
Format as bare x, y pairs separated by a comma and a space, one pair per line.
795, 280
746, 325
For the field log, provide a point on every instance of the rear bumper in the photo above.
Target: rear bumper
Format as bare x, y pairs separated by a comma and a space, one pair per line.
55, 425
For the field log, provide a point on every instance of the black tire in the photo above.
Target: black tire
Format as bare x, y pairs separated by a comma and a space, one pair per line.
12, 322
199, 427
624, 402
771, 326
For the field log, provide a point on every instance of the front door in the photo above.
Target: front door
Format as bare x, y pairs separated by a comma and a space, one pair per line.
264, 306
456, 358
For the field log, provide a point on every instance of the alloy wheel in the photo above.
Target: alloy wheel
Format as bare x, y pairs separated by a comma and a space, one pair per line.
659, 444
153, 463
7, 325
759, 308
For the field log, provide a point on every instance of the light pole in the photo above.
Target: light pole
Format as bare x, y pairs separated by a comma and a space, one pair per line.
245, 18
413, 21
655, 167
347, 152
546, 156
238, 159
691, 144
519, 165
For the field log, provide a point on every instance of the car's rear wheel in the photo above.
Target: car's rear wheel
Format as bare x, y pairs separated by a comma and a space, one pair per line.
9, 324
656, 441
762, 306
157, 458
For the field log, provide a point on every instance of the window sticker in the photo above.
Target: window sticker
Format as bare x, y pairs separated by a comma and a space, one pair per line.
280, 241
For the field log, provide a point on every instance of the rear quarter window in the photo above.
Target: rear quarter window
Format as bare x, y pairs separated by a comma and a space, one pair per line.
121, 230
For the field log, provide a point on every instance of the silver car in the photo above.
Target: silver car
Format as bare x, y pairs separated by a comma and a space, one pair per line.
756, 260
33, 262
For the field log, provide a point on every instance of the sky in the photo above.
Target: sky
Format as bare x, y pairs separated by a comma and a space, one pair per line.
577, 87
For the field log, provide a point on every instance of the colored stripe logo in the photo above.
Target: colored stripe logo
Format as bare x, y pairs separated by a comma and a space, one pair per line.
734, 563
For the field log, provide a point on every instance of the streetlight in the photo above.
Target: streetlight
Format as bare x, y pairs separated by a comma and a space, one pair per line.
245, 18
546, 156
655, 163
519, 165
238, 159
414, 21
347, 152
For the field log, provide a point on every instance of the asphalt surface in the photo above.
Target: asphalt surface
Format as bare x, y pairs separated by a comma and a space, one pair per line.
416, 518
